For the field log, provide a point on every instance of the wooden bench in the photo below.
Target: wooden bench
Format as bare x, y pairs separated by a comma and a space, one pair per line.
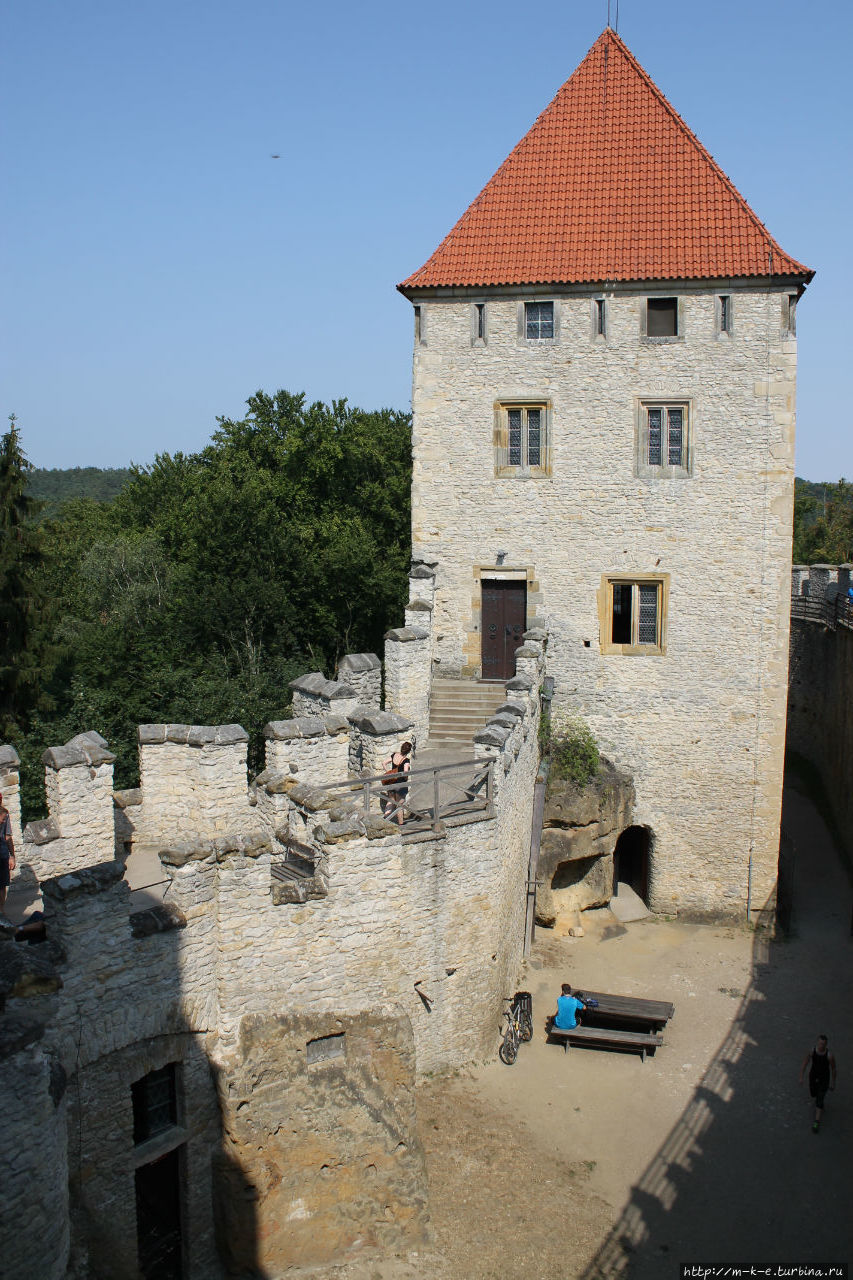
642, 1042
625, 1011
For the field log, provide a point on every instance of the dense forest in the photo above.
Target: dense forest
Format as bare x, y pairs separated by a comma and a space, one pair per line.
193, 590
206, 584
55, 486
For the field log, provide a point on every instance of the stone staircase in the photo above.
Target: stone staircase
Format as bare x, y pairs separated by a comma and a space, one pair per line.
458, 708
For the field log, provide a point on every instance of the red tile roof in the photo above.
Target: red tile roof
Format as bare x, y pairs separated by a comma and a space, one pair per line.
609, 184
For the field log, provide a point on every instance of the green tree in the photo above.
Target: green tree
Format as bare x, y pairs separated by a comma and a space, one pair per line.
823, 523
20, 559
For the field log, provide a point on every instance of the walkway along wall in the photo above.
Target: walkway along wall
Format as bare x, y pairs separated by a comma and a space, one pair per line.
820, 696
291, 1016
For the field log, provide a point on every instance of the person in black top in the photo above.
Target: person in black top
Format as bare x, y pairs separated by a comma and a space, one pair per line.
821, 1065
7, 853
395, 772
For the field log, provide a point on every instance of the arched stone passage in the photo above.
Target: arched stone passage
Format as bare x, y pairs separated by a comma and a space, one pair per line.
632, 860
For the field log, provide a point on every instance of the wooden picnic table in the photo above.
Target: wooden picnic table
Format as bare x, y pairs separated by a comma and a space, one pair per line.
624, 1011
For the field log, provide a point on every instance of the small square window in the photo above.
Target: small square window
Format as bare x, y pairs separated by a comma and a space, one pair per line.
633, 615
538, 320
662, 317
663, 439
155, 1103
522, 445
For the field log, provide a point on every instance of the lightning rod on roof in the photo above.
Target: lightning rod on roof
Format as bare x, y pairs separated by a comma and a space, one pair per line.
616, 27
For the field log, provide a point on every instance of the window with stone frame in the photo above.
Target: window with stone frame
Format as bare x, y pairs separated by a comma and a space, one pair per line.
522, 438
633, 614
662, 318
539, 321
155, 1103
664, 437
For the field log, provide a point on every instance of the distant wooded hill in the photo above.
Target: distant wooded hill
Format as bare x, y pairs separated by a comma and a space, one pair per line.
56, 485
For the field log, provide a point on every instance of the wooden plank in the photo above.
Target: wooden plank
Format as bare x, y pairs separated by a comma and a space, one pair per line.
630, 1005
608, 1037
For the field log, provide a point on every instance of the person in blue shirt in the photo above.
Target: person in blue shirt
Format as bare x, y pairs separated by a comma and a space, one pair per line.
568, 1008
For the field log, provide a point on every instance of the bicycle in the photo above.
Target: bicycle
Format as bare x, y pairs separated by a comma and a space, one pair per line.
519, 1028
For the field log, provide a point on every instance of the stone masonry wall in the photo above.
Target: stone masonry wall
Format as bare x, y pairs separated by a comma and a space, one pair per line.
700, 727
394, 931
193, 781
314, 748
820, 697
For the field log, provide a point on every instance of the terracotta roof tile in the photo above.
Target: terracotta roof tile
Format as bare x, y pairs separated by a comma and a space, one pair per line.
609, 184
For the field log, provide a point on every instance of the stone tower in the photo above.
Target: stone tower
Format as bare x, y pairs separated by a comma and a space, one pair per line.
604, 402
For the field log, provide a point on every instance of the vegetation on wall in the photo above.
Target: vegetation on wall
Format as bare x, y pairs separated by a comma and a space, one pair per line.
214, 578
570, 742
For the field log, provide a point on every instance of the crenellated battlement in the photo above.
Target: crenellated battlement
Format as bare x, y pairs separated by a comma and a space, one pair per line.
294, 915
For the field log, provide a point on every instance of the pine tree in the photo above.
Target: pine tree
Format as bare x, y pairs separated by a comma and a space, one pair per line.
20, 558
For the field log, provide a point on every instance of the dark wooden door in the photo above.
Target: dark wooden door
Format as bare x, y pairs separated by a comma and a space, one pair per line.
504, 622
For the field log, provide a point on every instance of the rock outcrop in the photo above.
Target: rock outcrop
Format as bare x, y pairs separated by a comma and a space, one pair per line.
580, 828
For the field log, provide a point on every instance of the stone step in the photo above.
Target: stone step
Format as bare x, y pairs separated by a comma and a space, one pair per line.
460, 708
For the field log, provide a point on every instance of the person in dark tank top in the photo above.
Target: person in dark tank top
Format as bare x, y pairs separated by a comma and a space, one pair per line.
821, 1068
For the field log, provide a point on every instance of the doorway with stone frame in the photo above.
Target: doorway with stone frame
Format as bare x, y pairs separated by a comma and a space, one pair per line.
503, 623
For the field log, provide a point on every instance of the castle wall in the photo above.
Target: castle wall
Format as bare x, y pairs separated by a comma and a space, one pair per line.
820, 723
33, 1168
700, 727
404, 944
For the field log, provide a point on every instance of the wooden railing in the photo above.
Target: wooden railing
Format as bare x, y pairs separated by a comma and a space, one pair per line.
833, 613
433, 794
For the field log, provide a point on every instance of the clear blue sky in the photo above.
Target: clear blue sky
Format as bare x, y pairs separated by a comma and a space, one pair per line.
159, 266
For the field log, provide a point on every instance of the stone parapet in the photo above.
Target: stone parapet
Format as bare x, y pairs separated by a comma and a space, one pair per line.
194, 782
407, 676
313, 694
315, 748
79, 790
363, 673
820, 581
374, 735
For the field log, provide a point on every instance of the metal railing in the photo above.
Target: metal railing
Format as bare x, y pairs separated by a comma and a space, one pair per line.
432, 795
832, 613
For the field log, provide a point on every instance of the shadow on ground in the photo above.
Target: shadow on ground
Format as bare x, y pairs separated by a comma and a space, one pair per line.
741, 1180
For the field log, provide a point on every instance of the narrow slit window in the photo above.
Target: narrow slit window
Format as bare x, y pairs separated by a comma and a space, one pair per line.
481, 321
418, 324
600, 317
791, 314
725, 314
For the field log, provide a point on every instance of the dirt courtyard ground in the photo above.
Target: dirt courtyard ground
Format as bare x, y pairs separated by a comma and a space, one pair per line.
595, 1165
